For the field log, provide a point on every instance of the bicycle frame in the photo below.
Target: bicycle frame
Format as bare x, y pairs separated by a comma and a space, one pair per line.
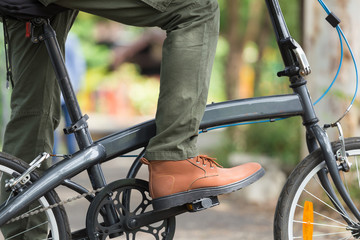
91, 153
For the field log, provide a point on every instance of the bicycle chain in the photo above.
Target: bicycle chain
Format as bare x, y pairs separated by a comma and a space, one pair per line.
61, 203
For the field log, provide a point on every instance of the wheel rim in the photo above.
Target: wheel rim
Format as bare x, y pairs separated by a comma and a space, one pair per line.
297, 196
52, 226
336, 228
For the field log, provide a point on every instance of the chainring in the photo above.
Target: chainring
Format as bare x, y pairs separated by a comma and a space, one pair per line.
127, 198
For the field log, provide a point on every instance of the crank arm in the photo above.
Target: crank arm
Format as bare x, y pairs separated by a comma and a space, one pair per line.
145, 219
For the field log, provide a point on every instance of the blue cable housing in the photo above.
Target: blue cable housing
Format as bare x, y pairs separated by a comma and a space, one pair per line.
341, 36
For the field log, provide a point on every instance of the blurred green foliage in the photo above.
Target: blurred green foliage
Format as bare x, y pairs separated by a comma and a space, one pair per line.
217, 83
96, 55
282, 139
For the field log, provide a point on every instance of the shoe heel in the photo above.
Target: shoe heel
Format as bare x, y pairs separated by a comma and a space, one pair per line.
203, 204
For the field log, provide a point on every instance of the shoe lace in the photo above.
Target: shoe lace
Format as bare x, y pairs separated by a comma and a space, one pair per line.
206, 159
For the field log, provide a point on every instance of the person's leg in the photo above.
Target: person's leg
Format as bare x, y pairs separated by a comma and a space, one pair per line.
177, 174
35, 106
35, 99
188, 55
192, 31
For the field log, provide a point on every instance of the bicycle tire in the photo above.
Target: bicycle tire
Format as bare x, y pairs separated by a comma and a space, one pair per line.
305, 210
58, 224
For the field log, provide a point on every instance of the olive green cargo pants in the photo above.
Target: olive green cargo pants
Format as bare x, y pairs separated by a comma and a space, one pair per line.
188, 53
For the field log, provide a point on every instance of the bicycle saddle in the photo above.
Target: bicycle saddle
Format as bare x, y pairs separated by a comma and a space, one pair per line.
28, 9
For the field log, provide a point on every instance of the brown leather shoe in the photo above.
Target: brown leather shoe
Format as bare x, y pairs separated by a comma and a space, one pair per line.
174, 183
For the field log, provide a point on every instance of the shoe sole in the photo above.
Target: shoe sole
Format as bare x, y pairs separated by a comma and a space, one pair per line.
183, 198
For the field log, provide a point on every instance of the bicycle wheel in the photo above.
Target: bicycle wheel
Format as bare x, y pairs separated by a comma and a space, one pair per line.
55, 219
305, 211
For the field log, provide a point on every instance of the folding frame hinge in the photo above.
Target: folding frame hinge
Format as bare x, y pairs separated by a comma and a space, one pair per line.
304, 68
80, 124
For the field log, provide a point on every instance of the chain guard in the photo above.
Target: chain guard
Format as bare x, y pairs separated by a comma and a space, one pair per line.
127, 198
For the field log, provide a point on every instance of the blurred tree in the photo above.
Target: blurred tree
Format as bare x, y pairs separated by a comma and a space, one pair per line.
97, 54
248, 30
322, 45
241, 28
252, 62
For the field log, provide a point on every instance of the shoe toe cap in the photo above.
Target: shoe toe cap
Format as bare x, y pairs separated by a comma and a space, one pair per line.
243, 171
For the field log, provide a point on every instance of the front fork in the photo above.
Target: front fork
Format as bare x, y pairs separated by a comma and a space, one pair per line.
317, 134
317, 137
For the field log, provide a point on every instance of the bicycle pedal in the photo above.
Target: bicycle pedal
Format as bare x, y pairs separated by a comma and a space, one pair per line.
203, 204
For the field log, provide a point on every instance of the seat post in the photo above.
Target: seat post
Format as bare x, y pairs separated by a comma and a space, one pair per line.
78, 126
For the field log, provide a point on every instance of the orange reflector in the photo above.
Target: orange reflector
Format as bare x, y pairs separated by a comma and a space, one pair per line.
308, 220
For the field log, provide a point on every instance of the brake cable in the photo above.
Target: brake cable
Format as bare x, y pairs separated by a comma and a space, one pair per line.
334, 21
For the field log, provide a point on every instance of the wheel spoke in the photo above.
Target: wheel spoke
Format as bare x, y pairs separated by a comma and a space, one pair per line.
27, 230
52, 220
333, 201
320, 224
327, 219
329, 234
326, 204
322, 215
325, 234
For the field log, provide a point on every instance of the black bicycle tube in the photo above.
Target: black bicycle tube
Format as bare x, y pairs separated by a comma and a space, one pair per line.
242, 110
82, 135
309, 116
217, 114
322, 174
136, 165
333, 169
77, 188
52, 178
281, 30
